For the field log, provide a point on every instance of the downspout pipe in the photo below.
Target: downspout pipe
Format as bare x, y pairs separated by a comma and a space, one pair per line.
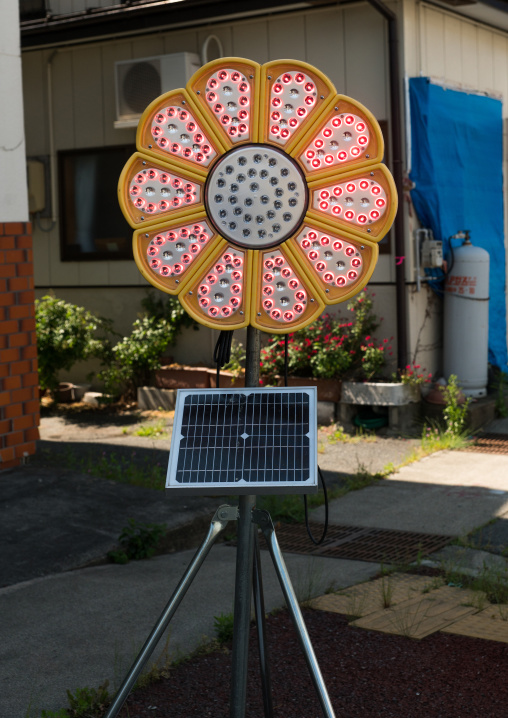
396, 142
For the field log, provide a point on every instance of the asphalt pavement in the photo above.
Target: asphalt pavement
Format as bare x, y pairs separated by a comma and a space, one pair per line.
70, 620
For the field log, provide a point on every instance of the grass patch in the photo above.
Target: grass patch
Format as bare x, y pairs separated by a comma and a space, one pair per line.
150, 431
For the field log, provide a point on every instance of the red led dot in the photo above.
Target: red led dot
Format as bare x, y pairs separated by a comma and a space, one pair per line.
328, 277
337, 191
243, 115
293, 122
276, 102
225, 119
189, 187
277, 88
163, 143
327, 132
349, 120
165, 271
159, 240
235, 302
324, 241
218, 108
284, 133
352, 274
360, 127
135, 190
226, 311
213, 311
175, 147
220, 268
164, 178
356, 262
318, 143
236, 288
194, 248
279, 261
286, 272
184, 232
305, 243
316, 163
374, 214
362, 140
159, 118
151, 207
213, 83
380, 202
288, 316
309, 100
355, 151
293, 283
177, 269
299, 78
276, 314
155, 263
336, 122
362, 218
243, 100
191, 126
141, 178
329, 159
321, 266
186, 258
163, 205
300, 295
171, 236
187, 152
274, 129
236, 275
211, 279
375, 189
312, 236
242, 129
267, 304
337, 245
363, 184
268, 277
298, 308
310, 154
268, 264
223, 75
301, 112
351, 187
286, 78
156, 131
206, 149
309, 87
313, 255
340, 281
337, 209
323, 206
153, 174
184, 115
204, 302
243, 87
237, 261
341, 156
268, 291
232, 131
236, 77
275, 116
350, 251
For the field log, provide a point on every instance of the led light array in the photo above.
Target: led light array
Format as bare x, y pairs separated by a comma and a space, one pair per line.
292, 97
284, 298
175, 131
344, 137
221, 292
153, 191
360, 201
170, 253
228, 94
338, 262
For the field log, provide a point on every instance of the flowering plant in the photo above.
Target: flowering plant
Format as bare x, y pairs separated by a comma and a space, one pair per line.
414, 375
330, 348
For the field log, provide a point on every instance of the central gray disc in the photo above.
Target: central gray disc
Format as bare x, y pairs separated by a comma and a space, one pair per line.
256, 196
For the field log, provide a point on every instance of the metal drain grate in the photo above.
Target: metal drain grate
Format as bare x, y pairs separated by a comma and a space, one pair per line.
490, 444
361, 544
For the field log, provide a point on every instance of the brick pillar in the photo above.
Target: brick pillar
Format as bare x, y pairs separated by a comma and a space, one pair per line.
19, 382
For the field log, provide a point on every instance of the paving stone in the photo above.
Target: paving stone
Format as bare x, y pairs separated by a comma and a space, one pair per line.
421, 616
491, 624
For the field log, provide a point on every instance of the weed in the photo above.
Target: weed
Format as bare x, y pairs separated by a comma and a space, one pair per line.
223, 625
83, 703
307, 582
386, 591
357, 600
159, 669
62, 713
501, 385
152, 431
138, 541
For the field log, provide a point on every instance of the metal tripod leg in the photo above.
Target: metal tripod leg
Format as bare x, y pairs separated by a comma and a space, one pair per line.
259, 609
222, 516
264, 521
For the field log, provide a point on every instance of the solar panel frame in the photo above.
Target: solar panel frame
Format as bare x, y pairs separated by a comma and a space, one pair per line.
244, 441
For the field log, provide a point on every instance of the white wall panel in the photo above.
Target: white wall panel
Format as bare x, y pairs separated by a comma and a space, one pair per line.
63, 96
325, 45
469, 54
433, 42
35, 102
286, 38
452, 48
250, 40
87, 96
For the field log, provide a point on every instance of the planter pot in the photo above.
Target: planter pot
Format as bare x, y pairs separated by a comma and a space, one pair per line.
327, 389
191, 378
379, 394
227, 380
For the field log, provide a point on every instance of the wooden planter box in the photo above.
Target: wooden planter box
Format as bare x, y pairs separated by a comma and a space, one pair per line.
191, 378
327, 389
373, 393
227, 380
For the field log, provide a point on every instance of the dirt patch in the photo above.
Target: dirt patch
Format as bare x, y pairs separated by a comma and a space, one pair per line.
367, 674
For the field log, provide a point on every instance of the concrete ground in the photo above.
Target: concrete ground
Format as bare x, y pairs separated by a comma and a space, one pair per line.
63, 629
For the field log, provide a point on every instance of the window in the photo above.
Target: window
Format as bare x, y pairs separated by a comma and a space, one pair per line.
92, 225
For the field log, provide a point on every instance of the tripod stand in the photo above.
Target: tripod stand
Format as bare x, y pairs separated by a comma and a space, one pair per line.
222, 516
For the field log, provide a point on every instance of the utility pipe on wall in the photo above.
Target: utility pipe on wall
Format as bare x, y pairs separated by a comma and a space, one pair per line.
396, 141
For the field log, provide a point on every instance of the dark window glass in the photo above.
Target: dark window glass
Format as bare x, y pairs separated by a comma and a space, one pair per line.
92, 225
32, 9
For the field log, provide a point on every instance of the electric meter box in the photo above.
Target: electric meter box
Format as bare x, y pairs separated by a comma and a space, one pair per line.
432, 253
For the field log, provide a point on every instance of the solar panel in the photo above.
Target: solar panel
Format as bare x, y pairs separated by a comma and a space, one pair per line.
244, 441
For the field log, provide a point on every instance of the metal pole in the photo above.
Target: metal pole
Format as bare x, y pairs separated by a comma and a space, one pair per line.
263, 519
259, 610
218, 524
244, 562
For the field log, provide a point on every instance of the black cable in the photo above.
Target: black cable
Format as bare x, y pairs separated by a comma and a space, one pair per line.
222, 352
325, 529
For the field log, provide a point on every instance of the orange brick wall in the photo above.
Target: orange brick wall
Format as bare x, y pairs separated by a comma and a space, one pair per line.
19, 382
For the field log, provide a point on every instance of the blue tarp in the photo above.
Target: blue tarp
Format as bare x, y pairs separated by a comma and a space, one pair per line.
457, 155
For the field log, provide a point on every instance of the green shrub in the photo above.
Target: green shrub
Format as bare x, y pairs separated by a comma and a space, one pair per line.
66, 334
138, 541
455, 413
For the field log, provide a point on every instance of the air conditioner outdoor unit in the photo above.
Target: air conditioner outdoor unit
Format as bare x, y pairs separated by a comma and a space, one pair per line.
138, 82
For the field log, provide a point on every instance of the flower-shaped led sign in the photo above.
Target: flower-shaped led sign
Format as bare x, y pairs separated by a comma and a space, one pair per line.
257, 194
